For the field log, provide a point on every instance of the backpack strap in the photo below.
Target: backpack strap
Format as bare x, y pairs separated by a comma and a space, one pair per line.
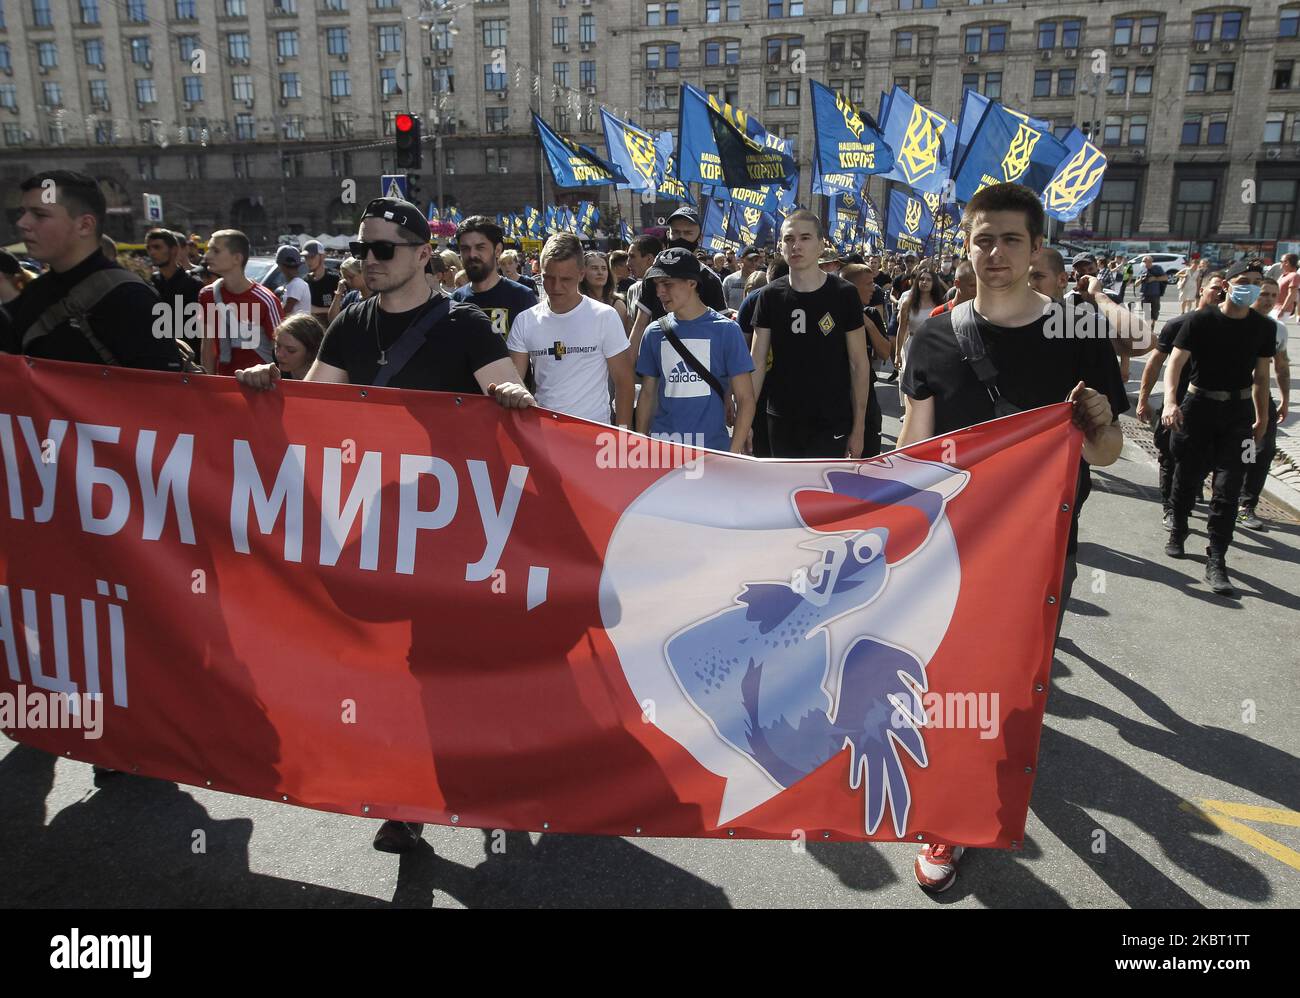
408, 344
971, 344
669, 326
75, 307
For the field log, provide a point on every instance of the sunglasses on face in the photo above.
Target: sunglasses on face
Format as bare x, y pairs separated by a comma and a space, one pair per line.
382, 248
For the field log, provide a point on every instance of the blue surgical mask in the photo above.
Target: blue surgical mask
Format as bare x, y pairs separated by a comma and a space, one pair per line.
1244, 294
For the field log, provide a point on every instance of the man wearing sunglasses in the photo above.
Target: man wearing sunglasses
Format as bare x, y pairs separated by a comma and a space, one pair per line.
366, 344
406, 336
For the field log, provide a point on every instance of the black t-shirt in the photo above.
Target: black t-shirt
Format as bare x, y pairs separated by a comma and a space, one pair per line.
900, 285
322, 289
122, 320
810, 375
1165, 344
624, 284
525, 281
881, 280
1034, 370
181, 285
745, 314
710, 293
500, 303
1224, 350
454, 349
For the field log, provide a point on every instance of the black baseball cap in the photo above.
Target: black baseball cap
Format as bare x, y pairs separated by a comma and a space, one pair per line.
1244, 266
402, 213
686, 212
749, 251
677, 263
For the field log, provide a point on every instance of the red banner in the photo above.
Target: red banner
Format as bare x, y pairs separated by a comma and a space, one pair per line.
421, 606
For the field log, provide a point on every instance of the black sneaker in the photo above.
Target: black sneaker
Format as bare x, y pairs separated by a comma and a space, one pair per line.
1216, 573
397, 836
1174, 546
1249, 520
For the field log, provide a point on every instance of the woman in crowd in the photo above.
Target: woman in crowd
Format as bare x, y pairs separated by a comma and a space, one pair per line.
352, 287
297, 340
598, 284
1189, 285
926, 293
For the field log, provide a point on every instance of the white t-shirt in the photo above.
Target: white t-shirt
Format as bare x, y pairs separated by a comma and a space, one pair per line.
1283, 334
568, 354
296, 288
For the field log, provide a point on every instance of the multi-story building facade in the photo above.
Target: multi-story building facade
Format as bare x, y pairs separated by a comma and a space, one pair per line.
1196, 104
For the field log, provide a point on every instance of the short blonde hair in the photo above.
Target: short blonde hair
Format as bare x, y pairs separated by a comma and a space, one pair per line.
350, 265
510, 256
564, 246
450, 260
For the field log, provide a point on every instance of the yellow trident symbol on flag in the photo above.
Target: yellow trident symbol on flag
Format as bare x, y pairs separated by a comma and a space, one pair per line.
751, 217
1076, 178
641, 149
919, 156
1016, 161
851, 120
912, 217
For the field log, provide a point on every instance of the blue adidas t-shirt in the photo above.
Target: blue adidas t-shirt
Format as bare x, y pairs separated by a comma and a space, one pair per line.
687, 405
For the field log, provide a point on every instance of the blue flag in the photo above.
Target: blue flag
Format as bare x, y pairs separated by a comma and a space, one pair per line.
747, 162
431, 215
533, 225
973, 104
845, 143
872, 234
713, 233
834, 183
633, 151
625, 232
908, 228
587, 217
697, 152
752, 226
845, 209
922, 142
1078, 179
1005, 148
454, 216
574, 165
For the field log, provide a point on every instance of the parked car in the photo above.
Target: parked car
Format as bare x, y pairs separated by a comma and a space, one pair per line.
263, 270
1170, 263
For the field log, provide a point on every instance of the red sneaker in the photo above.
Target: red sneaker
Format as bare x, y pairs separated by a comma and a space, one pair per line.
936, 866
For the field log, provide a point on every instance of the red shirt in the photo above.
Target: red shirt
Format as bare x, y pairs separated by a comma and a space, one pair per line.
249, 326
940, 309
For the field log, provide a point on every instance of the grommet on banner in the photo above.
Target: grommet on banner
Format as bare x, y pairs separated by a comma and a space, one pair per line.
104, 373
920, 837
365, 808
1051, 599
638, 829
826, 835
459, 400
1065, 507
731, 831
545, 825
455, 819
283, 797
185, 380
207, 783
363, 393
1038, 687
1029, 769
1015, 844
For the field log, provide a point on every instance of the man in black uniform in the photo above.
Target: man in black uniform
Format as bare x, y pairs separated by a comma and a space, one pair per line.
1213, 291
176, 287
320, 282
1224, 417
821, 371
85, 308
683, 230
452, 348
480, 242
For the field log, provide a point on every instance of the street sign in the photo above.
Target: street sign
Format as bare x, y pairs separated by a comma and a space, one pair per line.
153, 208
393, 185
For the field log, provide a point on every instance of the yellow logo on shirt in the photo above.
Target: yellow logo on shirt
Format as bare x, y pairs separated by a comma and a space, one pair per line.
826, 324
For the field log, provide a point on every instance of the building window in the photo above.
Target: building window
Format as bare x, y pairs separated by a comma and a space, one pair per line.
1230, 26
47, 55
89, 11
1282, 73
1217, 132
196, 167
1274, 127
663, 56
922, 92
903, 43
245, 126
192, 88
286, 44
99, 94
1047, 35
1118, 81
495, 32
237, 45
1203, 28
1116, 208
857, 88
145, 92
1274, 215
1137, 130
792, 91
8, 95
970, 81
1224, 73
147, 166
974, 38
587, 73
444, 80
849, 6
137, 11
1193, 210
41, 14
93, 50
290, 86
390, 38
236, 8
997, 38
13, 134
52, 94
340, 83
291, 128
342, 123
241, 87
1065, 83
1288, 25
496, 119
587, 29
773, 94
559, 31
185, 10
560, 73
336, 41
442, 36
1142, 79
185, 46
1042, 83
561, 117
140, 51
497, 160
1198, 75
993, 86
1191, 134
388, 82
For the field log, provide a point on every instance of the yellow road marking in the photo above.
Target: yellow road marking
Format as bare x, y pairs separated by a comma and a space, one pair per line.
1217, 814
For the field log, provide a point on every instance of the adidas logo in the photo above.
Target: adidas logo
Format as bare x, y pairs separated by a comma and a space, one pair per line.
681, 374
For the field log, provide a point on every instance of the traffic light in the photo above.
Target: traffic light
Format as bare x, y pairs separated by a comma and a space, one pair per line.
407, 129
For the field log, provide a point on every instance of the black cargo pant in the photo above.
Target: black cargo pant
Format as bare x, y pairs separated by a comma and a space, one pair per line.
800, 436
1213, 438
1257, 471
1165, 458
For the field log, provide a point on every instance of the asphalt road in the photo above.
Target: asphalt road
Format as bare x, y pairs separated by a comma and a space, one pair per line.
1163, 697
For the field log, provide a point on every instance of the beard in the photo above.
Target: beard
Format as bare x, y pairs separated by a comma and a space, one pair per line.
478, 270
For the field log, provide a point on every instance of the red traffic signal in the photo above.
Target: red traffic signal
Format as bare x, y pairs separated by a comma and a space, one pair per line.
407, 141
